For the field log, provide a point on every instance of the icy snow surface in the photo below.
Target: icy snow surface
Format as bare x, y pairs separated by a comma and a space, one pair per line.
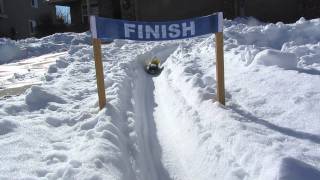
15, 77
170, 126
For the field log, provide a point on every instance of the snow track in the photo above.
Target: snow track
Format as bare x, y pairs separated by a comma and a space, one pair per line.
138, 124
150, 150
144, 104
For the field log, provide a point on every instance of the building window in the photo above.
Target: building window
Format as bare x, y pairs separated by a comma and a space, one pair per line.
34, 3
1, 7
32, 26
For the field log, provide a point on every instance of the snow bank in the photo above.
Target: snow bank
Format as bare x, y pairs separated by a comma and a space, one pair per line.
275, 35
276, 58
10, 51
293, 169
308, 54
38, 98
15, 50
6, 127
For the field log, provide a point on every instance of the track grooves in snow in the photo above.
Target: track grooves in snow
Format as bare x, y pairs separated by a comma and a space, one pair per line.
150, 148
148, 164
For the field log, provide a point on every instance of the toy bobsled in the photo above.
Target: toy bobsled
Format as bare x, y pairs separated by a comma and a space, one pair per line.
153, 67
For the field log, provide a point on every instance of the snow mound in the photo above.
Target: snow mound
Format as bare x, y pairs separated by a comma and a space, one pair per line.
250, 21
312, 60
6, 127
274, 35
15, 50
271, 57
309, 54
38, 98
9, 51
293, 169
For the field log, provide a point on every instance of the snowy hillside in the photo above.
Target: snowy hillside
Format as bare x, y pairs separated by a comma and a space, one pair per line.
170, 126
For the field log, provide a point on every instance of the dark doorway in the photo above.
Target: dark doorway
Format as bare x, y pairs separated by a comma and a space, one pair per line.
116, 9
110, 9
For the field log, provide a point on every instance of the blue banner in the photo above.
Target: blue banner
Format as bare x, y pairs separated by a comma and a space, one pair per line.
155, 31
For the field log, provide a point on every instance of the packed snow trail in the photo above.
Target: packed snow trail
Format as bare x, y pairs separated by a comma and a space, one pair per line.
143, 100
143, 104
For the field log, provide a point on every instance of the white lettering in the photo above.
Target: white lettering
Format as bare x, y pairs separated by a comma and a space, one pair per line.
164, 31
155, 32
140, 31
129, 28
191, 28
160, 31
174, 31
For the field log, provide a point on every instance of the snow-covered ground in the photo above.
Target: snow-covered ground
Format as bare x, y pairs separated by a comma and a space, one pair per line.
16, 77
12, 51
170, 126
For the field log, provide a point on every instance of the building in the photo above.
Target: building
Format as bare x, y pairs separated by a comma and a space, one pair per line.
79, 10
20, 18
158, 10
265, 10
273, 10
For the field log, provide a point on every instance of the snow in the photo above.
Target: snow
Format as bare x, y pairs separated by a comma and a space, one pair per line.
270, 57
294, 170
37, 98
170, 126
6, 127
16, 50
29, 71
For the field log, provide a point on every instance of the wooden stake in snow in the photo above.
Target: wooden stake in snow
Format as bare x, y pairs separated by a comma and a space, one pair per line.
99, 72
220, 68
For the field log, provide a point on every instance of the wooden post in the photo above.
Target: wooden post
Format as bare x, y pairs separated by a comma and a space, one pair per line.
99, 72
220, 68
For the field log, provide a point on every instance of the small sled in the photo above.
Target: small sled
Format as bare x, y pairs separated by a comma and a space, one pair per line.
153, 67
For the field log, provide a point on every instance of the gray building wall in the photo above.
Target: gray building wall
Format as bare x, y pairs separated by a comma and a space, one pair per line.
106, 8
287, 11
157, 10
75, 12
110, 8
160, 10
273, 10
265, 10
19, 12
